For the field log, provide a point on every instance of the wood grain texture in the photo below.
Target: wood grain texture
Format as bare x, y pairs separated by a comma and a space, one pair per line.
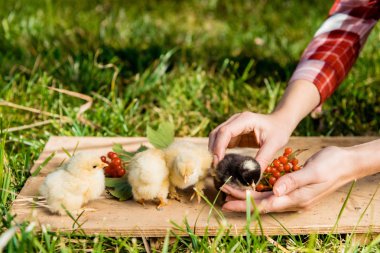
114, 218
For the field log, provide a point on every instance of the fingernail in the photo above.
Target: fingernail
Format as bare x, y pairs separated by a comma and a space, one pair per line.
281, 189
225, 190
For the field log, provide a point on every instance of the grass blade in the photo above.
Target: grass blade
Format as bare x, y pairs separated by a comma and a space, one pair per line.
165, 248
374, 244
362, 214
341, 210
43, 164
5, 172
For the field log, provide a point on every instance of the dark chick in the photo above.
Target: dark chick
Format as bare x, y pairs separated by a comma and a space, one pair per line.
237, 170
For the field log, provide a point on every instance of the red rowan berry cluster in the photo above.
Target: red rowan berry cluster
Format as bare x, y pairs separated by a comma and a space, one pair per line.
115, 166
284, 164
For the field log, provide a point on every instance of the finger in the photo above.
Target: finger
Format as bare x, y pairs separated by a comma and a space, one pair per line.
241, 194
292, 181
274, 204
226, 133
236, 193
213, 133
235, 206
295, 201
231, 198
271, 205
266, 153
277, 205
241, 205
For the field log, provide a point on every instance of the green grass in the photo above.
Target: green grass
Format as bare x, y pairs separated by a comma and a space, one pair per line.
193, 63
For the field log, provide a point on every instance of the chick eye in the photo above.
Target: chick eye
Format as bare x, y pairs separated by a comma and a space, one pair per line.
94, 166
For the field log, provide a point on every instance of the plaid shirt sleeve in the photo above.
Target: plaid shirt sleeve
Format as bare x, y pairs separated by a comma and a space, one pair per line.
336, 45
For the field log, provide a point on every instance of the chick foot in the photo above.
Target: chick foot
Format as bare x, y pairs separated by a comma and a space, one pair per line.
174, 195
198, 190
162, 202
197, 193
141, 202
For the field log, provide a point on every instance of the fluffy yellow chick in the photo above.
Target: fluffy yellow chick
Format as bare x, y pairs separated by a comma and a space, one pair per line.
188, 164
75, 183
148, 177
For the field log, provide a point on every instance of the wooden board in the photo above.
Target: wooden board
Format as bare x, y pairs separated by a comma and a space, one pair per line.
114, 218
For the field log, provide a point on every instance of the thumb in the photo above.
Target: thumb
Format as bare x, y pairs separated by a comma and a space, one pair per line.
292, 181
265, 154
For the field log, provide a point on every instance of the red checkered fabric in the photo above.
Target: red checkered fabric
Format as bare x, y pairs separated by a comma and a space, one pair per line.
336, 45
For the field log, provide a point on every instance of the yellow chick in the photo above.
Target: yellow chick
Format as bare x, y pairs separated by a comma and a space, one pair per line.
74, 184
188, 165
148, 177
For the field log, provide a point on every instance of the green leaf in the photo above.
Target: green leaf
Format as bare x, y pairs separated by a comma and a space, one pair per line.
140, 149
111, 182
119, 188
118, 148
125, 155
163, 136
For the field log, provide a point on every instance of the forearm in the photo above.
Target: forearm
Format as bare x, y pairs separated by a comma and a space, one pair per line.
299, 99
365, 159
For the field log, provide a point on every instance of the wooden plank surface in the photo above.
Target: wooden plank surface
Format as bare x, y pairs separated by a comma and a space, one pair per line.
114, 218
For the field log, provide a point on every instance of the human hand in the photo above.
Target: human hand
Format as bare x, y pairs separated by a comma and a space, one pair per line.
323, 173
247, 129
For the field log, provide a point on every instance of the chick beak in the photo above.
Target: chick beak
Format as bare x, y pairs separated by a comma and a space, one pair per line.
103, 165
253, 186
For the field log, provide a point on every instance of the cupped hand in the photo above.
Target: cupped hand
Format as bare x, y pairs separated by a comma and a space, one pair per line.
323, 173
247, 129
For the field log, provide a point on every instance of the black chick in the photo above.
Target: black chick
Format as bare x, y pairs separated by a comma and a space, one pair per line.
237, 170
